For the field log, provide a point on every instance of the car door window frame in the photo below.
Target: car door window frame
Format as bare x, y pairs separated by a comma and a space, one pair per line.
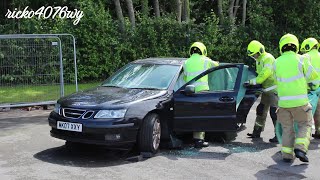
175, 79
237, 83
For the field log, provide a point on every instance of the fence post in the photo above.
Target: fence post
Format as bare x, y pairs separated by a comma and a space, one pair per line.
61, 70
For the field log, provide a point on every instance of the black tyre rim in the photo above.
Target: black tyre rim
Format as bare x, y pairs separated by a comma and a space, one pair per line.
156, 134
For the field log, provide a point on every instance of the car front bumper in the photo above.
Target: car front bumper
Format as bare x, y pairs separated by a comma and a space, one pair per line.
95, 132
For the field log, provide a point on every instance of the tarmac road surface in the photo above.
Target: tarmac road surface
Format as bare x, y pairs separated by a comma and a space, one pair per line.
28, 152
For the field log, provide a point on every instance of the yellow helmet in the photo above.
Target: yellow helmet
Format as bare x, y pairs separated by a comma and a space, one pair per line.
289, 39
308, 44
255, 47
198, 47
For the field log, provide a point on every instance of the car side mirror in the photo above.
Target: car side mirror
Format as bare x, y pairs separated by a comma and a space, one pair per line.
189, 89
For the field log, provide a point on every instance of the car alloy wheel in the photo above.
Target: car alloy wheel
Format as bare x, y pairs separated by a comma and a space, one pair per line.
156, 133
150, 134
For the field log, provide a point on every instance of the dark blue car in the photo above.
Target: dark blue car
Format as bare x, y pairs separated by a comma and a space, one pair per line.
147, 102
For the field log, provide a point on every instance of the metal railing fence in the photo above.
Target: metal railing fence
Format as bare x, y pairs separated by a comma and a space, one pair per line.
36, 69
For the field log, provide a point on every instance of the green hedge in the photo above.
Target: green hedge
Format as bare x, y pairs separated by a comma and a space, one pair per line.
102, 48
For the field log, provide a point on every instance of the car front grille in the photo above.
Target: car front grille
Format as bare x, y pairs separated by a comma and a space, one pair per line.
88, 114
72, 113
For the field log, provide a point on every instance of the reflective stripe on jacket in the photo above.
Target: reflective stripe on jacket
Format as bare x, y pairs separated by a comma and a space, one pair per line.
194, 66
292, 73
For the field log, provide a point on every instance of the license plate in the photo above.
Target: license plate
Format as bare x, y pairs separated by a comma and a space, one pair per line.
69, 126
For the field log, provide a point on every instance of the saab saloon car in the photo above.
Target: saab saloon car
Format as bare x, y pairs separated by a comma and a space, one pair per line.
147, 102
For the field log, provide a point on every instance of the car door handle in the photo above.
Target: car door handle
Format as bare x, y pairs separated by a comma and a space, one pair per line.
226, 98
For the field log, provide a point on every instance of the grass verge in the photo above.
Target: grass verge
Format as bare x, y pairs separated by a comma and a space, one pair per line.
18, 94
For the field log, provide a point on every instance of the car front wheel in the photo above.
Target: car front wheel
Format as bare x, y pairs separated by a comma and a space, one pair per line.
150, 134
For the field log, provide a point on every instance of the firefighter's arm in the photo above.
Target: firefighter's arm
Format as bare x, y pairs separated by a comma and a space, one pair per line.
212, 63
274, 74
275, 77
310, 74
184, 73
265, 73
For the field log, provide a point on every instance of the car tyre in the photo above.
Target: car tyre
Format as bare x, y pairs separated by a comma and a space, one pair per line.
230, 136
150, 134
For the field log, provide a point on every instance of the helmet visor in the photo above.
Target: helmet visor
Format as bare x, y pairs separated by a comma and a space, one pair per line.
195, 50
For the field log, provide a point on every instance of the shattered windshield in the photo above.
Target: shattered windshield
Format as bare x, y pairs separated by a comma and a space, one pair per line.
144, 76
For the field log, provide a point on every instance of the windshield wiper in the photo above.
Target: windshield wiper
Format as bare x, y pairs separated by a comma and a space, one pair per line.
148, 88
111, 86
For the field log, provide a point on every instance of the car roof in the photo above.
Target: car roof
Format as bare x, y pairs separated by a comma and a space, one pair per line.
169, 61
162, 60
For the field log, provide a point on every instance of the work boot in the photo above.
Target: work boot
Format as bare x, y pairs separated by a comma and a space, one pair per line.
316, 135
255, 134
200, 143
301, 155
274, 140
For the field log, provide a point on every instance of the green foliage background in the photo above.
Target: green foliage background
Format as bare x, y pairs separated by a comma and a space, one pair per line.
102, 48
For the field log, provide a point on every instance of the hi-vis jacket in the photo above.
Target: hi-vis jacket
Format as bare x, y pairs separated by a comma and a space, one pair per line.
194, 66
293, 72
264, 66
314, 56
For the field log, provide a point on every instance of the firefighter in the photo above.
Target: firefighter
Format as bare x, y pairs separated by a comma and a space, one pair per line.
293, 72
196, 64
269, 100
310, 47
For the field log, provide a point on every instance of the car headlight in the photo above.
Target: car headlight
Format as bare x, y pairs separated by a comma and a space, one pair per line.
57, 108
119, 113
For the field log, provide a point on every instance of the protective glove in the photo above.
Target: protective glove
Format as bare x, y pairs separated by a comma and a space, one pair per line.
312, 86
246, 84
250, 82
253, 81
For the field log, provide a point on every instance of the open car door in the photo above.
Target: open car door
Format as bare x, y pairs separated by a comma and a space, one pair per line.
214, 110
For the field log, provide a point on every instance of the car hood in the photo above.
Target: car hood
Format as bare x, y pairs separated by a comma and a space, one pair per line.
109, 96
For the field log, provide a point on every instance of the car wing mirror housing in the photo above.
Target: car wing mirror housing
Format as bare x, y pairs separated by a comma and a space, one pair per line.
189, 90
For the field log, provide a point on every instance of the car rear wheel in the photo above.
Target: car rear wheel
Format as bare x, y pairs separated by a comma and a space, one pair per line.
150, 134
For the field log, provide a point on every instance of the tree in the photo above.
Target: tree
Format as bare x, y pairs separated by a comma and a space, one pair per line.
236, 7
156, 8
220, 11
178, 10
131, 13
244, 12
185, 10
119, 14
144, 7
230, 11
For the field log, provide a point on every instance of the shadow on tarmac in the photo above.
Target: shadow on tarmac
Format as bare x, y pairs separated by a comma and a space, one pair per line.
99, 156
90, 156
314, 144
282, 170
188, 151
